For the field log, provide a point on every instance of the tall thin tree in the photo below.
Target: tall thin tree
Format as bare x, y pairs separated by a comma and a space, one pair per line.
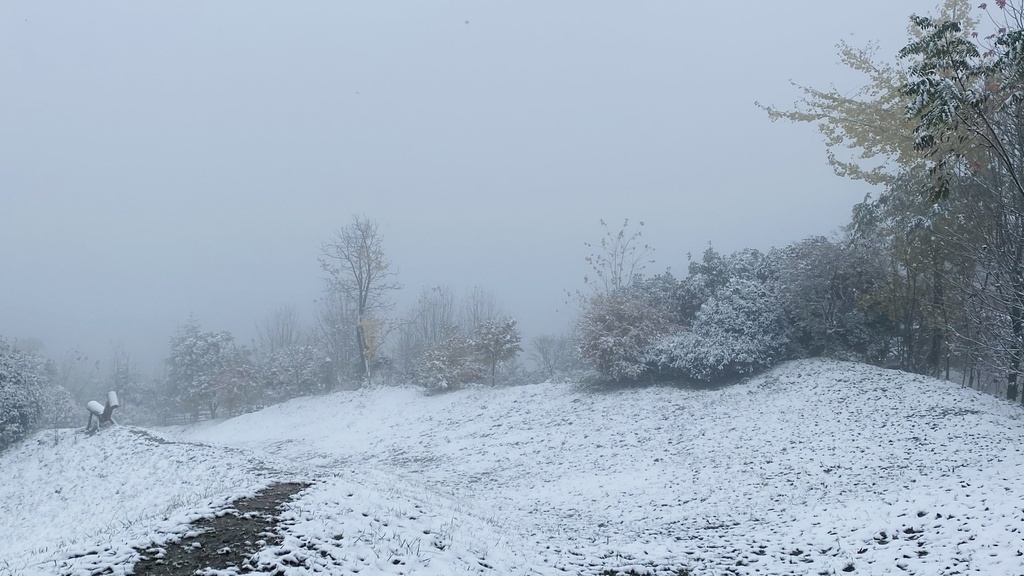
357, 266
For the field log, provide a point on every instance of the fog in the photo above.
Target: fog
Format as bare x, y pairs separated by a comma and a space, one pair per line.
162, 159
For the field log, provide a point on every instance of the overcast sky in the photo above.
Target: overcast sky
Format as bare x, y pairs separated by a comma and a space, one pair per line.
161, 158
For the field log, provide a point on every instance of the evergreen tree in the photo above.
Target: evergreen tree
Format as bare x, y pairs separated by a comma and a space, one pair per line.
497, 341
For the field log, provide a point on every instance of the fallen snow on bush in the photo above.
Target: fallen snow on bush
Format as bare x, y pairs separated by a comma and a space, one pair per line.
817, 467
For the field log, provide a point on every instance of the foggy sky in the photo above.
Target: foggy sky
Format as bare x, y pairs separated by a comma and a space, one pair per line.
158, 159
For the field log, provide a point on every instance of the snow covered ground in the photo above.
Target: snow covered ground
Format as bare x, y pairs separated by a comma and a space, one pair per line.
817, 467
101, 495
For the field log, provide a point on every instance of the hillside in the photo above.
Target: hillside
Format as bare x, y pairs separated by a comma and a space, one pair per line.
816, 467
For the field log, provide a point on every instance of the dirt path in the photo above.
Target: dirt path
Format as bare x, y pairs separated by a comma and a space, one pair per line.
225, 541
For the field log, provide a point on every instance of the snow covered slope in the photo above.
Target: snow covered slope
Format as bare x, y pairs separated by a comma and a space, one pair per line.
103, 494
817, 467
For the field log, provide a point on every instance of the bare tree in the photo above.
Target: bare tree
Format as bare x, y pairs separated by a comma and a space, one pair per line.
334, 333
73, 373
479, 306
551, 354
428, 322
448, 363
434, 314
618, 258
279, 331
358, 268
990, 290
124, 375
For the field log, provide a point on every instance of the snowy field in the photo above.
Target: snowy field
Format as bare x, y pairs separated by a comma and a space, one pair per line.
817, 467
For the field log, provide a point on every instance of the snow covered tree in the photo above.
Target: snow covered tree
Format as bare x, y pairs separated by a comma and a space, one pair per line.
236, 386
707, 276
359, 269
964, 95
496, 341
334, 334
153, 403
831, 293
294, 371
945, 118
60, 409
449, 363
432, 318
989, 286
29, 400
723, 319
966, 102
552, 354
428, 322
868, 132
737, 331
619, 319
196, 360
20, 396
663, 291
615, 331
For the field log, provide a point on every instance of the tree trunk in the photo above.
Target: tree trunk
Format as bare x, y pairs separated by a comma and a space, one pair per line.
938, 335
364, 367
1017, 326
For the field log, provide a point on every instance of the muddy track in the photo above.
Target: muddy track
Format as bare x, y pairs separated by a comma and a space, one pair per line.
226, 541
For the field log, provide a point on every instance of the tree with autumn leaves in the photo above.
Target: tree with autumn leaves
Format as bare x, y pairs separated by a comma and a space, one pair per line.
944, 121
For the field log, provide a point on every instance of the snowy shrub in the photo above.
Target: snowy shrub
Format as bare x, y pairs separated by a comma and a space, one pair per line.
513, 373
196, 360
60, 409
294, 371
713, 272
236, 388
496, 342
663, 292
825, 289
448, 364
153, 405
737, 331
22, 383
616, 330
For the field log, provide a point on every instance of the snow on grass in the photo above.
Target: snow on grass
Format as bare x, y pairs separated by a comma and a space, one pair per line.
100, 495
340, 528
817, 467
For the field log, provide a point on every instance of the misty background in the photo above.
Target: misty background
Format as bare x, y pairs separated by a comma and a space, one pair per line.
158, 160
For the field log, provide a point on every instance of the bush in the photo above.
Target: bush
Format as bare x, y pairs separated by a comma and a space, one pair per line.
22, 381
294, 371
448, 364
60, 409
737, 331
616, 331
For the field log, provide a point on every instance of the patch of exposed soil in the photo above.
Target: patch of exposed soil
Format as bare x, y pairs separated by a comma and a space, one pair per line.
147, 435
224, 542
